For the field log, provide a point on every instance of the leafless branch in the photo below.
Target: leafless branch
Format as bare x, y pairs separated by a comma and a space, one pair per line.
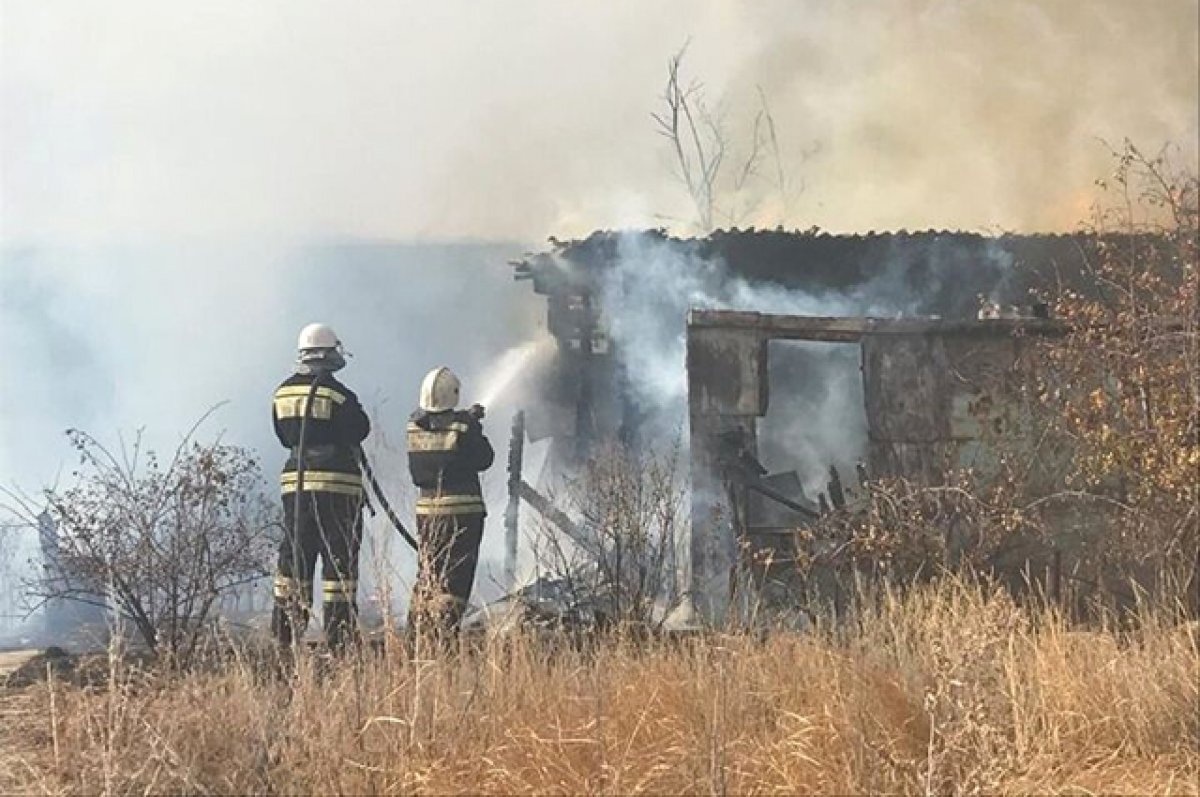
158, 544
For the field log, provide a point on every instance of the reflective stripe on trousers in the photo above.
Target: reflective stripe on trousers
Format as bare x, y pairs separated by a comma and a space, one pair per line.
451, 505
323, 481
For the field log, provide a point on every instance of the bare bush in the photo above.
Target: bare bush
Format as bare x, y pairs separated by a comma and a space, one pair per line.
619, 558
1125, 385
719, 176
1100, 458
159, 544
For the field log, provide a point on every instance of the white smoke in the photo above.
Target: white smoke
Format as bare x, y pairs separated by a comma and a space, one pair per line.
117, 339
531, 117
653, 284
815, 417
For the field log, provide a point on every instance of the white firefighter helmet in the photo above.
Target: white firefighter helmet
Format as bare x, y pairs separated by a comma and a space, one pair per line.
317, 336
439, 390
319, 347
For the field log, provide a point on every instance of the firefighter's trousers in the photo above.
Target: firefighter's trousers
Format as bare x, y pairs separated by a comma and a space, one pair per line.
330, 528
449, 554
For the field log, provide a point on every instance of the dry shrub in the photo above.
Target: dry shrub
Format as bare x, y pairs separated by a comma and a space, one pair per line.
1089, 487
160, 544
945, 688
618, 563
1125, 385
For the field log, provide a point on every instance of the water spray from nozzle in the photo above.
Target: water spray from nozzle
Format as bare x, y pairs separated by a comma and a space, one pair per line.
503, 374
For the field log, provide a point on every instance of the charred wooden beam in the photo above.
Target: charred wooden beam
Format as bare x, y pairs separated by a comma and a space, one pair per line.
559, 519
780, 498
781, 327
836, 494
585, 414
512, 512
853, 329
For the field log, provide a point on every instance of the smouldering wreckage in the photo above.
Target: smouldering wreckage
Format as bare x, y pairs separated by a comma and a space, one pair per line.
935, 379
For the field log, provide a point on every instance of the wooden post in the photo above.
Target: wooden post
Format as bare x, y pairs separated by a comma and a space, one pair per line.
585, 410
512, 513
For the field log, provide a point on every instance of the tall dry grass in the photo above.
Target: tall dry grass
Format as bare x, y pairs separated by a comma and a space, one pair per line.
950, 688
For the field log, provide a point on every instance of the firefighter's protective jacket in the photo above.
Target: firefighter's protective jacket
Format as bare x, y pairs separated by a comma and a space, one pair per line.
446, 453
336, 427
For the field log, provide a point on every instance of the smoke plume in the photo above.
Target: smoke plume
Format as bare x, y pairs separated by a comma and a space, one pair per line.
815, 416
527, 118
116, 339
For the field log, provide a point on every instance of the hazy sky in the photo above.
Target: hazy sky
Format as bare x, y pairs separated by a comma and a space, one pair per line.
142, 118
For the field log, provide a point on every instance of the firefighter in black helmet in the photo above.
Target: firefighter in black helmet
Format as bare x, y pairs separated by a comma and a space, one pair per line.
447, 451
320, 420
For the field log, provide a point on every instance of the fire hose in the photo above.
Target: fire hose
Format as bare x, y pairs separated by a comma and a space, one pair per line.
308, 403
476, 411
369, 475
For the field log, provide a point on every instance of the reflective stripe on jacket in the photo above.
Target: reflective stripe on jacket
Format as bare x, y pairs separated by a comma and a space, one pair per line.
336, 425
446, 453
291, 401
421, 439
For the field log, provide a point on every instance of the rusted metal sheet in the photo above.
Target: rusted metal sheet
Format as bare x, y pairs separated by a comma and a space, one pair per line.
937, 393
924, 462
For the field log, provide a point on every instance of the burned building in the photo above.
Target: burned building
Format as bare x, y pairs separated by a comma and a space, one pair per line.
766, 322
937, 394
590, 393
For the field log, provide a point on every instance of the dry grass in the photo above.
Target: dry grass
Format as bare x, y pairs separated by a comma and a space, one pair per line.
947, 690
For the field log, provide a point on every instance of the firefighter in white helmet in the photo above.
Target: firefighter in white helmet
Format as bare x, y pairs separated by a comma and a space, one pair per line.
447, 450
321, 422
